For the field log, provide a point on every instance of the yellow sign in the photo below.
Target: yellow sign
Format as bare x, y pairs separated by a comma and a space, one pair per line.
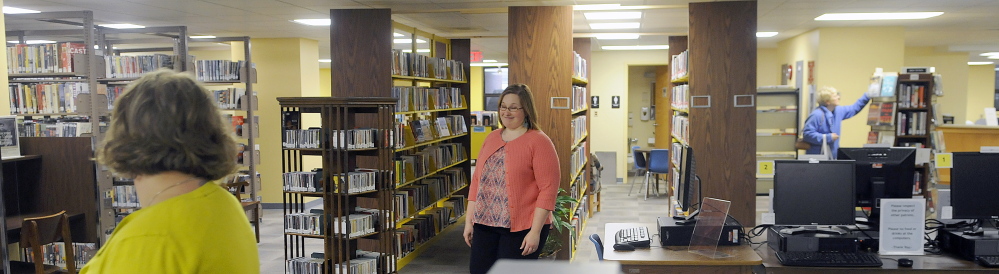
945, 160
765, 167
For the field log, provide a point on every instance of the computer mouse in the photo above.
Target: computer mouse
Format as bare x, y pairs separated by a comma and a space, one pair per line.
904, 262
623, 247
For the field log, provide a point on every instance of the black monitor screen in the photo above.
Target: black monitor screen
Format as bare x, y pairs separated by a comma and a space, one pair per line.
882, 172
819, 193
974, 185
687, 185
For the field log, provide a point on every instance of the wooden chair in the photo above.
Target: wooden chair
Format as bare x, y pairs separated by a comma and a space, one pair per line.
254, 206
39, 231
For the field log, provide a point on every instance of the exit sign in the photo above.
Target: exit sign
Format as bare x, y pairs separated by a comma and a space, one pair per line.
476, 56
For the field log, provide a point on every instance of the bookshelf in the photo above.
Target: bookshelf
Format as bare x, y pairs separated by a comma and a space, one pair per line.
427, 76
354, 228
679, 98
776, 129
904, 118
582, 187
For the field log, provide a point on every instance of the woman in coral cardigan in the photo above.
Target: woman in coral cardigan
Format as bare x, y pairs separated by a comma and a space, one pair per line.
514, 187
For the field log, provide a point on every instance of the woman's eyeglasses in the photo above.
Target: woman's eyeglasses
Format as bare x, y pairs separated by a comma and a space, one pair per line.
510, 109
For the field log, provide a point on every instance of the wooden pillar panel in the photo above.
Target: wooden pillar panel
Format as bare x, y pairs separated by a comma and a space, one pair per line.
361, 52
723, 135
540, 53
66, 180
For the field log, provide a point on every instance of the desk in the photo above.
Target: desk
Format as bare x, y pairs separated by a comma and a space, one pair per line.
508, 266
675, 259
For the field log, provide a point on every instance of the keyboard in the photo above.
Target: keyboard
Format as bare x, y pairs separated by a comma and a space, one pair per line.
988, 261
634, 236
804, 258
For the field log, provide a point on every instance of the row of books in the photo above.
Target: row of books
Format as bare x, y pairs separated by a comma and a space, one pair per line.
240, 126
422, 227
427, 98
917, 183
681, 127
242, 155
412, 198
411, 64
881, 114
578, 158
578, 128
675, 154
579, 66
361, 180
134, 66
33, 98
230, 98
576, 223
681, 97
311, 223
113, 92
485, 118
125, 196
428, 160
55, 254
419, 131
340, 139
912, 96
54, 128
365, 262
911, 123
218, 70
580, 100
576, 189
678, 65
883, 84
244, 176
43, 58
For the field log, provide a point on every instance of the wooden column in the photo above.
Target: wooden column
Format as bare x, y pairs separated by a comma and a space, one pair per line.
540, 53
723, 135
361, 52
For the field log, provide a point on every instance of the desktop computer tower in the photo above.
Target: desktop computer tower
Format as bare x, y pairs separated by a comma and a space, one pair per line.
809, 241
673, 234
968, 246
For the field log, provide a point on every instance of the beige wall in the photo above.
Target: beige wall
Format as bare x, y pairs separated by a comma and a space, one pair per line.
799, 48
953, 68
5, 99
639, 96
846, 59
325, 86
609, 77
475, 81
981, 89
767, 67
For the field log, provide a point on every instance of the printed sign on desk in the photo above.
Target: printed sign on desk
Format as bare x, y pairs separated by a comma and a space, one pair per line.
902, 225
945, 160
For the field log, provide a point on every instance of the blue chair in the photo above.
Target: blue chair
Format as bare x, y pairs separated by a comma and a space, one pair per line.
640, 167
658, 165
598, 244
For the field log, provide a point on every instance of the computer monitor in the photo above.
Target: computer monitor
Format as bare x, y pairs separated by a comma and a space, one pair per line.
882, 172
809, 193
974, 186
687, 183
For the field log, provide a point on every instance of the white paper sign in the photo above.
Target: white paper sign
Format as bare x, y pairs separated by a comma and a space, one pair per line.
902, 226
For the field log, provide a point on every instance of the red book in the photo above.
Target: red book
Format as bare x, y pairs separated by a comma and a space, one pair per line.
66, 51
237, 124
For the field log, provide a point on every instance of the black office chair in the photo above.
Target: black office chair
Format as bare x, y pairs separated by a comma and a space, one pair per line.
598, 244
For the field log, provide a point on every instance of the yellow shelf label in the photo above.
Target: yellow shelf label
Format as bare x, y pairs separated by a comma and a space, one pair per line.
945, 160
765, 167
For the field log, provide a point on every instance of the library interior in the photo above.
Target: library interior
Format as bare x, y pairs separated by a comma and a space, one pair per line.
689, 136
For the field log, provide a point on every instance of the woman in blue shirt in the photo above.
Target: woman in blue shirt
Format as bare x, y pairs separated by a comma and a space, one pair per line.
824, 122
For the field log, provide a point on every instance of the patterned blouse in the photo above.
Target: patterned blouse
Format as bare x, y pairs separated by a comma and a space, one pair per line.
492, 207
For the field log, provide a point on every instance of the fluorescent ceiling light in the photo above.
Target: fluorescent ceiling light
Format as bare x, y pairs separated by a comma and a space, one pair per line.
597, 7
635, 47
32, 42
613, 15
989, 54
877, 16
396, 34
980, 63
617, 36
123, 26
313, 22
408, 41
325, 60
766, 33
13, 10
202, 36
488, 64
417, 50
634, 25
994, 57
489, 61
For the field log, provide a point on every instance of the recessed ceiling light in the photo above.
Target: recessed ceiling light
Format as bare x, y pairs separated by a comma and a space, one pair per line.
33, 42
488, 64
123, 26
635, 47
489, 61
396, 34
615, 25
417, 50
408, 41
616, 36
13, 10
989, 53
325, 60
613, 15
877, 16
980, 63
313, 22
202, 36
766, 33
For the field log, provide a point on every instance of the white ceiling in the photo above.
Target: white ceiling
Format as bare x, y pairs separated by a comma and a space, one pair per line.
966, 25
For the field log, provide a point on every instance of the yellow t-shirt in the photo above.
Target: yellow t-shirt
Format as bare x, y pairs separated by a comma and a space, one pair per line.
202, 231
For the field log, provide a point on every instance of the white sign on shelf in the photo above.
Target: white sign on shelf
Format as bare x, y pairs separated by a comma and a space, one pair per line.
902, 226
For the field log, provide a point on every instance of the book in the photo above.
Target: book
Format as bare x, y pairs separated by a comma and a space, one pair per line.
887, 113
872, 137
874, 90
9, 144
874, 114
888, 83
